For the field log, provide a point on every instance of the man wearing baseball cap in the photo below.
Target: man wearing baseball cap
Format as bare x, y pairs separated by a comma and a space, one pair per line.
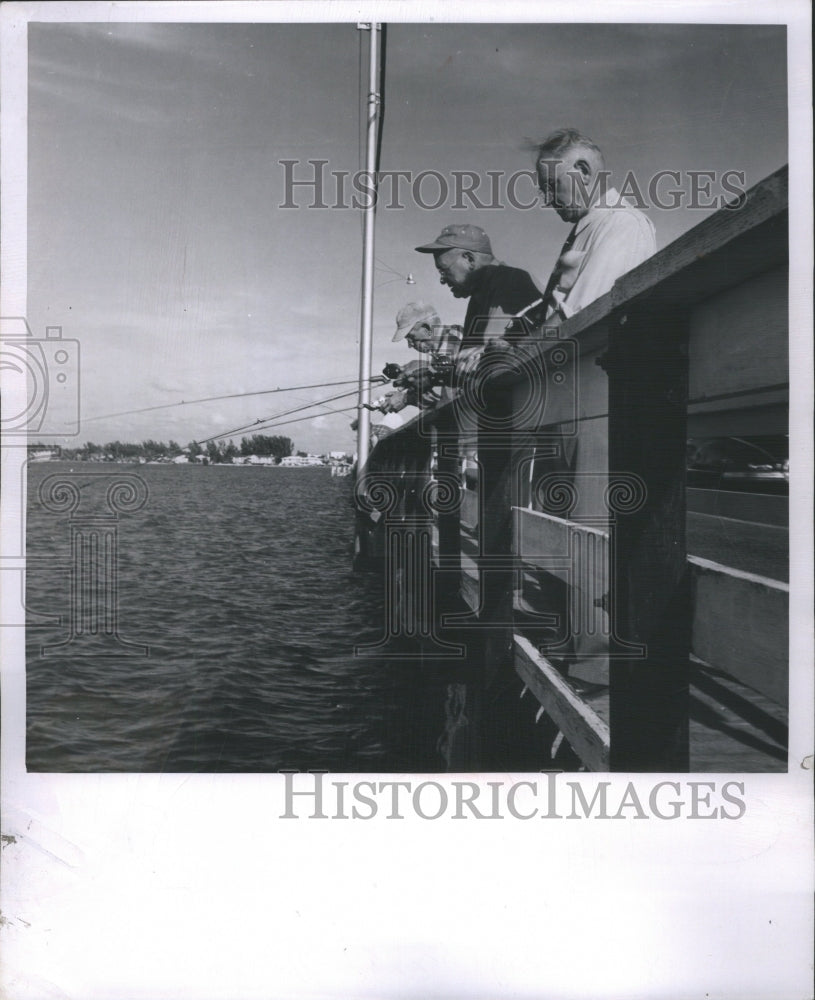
467, 266
415, 323
418, 323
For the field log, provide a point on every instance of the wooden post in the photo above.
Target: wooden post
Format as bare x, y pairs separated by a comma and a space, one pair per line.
647, 366
446, 440
492, 640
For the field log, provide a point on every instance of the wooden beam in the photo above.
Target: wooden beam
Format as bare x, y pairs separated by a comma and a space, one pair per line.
585, 731
495, 460
648, 392
748, 325
725, 249
764, 412
741, 626
762, 508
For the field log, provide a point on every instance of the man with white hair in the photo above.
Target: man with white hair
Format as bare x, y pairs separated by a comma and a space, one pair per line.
608, 236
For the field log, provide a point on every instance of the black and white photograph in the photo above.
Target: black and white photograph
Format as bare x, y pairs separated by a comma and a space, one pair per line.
407, 421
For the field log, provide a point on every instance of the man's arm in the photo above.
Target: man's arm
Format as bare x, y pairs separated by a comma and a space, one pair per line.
515, 293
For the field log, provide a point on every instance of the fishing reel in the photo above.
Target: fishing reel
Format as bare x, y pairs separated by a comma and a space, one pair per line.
438, 372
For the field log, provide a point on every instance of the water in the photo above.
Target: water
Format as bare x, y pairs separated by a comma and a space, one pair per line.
239, 581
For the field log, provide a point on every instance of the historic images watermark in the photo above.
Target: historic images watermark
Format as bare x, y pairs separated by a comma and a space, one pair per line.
93, 503
312, 184
313, 796
41, 381
41, 402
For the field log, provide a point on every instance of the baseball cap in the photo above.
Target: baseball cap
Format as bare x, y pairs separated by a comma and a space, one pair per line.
411, 314
462, 237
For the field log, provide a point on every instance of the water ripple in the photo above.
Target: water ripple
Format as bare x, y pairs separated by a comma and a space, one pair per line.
239, 581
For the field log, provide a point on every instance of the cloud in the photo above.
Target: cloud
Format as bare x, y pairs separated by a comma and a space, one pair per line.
134, 73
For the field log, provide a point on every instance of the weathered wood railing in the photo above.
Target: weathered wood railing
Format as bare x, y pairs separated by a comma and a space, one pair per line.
536, 526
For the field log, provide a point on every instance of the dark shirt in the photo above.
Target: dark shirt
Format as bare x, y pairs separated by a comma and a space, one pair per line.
498, 286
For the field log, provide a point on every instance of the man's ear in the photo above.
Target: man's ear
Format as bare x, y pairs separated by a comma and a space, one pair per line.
468, 257
583, 166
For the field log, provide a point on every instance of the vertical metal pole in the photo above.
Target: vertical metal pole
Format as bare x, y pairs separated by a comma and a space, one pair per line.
366, 331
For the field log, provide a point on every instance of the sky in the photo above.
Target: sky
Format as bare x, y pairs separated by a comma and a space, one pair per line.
155, 233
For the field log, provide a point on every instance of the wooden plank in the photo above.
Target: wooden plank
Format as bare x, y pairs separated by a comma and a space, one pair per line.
741, 626
547, 543
558, 386
496, 483
762, 549
734, 728
448, 514
542, 538
592, 386
470, 589
724, 249
748, 326
469, 509
590, 463
585, 731
560, 548
577, 555
740, 416
763, 508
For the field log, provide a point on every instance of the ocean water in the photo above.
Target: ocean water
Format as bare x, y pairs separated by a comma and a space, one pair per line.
238, 582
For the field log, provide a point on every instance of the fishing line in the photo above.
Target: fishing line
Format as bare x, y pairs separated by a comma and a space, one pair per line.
296, 420
233, 395
274, 416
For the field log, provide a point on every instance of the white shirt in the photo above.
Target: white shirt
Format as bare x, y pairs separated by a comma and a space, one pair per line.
610, 240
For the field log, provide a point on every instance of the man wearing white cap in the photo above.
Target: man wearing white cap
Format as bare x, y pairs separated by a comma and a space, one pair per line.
418, 323
415, 323
467, 266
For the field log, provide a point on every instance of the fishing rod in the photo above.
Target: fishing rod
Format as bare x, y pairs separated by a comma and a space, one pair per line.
297, 420
232, 395
264, 421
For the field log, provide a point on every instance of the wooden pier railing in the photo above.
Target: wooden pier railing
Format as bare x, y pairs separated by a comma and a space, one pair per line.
546, 563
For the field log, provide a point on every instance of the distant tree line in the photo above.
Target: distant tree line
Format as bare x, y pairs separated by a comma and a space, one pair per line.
215, 452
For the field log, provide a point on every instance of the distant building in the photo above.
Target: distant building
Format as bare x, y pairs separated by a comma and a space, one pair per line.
297, 461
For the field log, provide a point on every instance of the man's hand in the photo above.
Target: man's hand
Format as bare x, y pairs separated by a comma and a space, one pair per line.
497, 346
395, 401
415, 375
